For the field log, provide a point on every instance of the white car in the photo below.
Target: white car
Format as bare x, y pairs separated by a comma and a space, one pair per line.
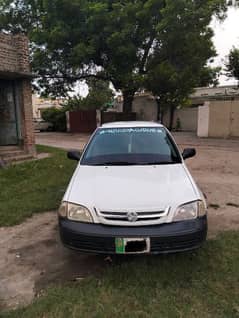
132, 193
42, 125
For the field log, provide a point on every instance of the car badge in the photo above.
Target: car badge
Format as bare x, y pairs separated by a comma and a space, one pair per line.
132, 216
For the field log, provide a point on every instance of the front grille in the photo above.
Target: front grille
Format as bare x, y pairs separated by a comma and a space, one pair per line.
88, 243
106, 245
161, 244
132, 217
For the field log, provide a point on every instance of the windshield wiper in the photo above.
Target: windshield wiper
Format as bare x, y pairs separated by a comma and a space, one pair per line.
127, 163
158, 163
115, 163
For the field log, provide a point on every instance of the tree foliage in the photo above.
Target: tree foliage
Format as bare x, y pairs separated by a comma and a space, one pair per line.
233, 64
120, 41
209, 76
99, 97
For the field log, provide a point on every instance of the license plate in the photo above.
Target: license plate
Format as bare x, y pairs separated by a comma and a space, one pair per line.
132, 245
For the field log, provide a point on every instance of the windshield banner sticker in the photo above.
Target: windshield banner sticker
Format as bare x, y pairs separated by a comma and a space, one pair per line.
130, 130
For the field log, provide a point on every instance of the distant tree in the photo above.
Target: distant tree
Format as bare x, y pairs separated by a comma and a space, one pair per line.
117, 41
56, 117
232, 66
179, 64
209, 76
100, 95
172, 87
234, 3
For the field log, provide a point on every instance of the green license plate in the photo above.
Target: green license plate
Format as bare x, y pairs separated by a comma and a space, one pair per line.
136, 245
119, 245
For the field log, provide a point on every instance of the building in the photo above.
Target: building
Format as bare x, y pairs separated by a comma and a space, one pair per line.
202, 94
214, 111
16, 123
40, 104
218, 111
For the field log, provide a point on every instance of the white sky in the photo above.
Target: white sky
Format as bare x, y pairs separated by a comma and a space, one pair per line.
226, 36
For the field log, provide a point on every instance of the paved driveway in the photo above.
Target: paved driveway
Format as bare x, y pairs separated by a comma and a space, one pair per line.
184, 139
62, 140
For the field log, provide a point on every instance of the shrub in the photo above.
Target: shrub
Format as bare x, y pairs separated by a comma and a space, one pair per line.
55, 116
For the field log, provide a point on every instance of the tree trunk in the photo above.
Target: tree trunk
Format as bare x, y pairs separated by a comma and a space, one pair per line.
159, 111
171, 118
128, 97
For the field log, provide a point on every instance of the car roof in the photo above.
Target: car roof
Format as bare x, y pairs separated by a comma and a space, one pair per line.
128, 124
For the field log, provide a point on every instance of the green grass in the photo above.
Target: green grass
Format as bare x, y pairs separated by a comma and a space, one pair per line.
200, 284
33, 187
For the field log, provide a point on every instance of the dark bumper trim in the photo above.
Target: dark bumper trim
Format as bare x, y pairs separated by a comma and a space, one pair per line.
165, 238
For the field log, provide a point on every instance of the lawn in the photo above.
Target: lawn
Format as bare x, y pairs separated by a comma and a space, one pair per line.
34, 186
200, 284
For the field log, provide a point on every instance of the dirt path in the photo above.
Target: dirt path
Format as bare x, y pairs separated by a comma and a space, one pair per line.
65, 141
216, 170
31, 256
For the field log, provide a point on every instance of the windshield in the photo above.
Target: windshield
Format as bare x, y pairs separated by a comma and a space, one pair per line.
131, 146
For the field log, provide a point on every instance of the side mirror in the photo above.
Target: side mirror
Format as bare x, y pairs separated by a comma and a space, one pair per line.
73, 155
188, 153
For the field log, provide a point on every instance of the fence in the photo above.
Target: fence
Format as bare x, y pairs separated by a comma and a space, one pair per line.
81, 121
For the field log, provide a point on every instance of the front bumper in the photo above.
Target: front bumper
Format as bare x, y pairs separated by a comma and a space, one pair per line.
164, 238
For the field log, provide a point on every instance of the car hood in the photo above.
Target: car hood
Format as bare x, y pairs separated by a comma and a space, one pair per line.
131, 187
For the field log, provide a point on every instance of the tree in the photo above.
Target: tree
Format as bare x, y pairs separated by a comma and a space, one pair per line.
233, 64
112, 40
209, 76
180, 63
100, 95
172, 87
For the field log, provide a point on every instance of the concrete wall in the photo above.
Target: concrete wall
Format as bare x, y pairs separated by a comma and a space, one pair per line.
203, 120
187, 117
235, 118
145, 108
219, 119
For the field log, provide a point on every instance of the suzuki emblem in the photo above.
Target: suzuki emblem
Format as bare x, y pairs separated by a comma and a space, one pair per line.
132, 216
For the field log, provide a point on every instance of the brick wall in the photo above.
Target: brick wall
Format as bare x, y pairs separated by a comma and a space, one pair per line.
14, 65
14, 54
27, 114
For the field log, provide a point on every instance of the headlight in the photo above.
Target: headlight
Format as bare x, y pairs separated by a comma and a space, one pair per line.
63, 210
75, 212
79, 213
202, 209
189, 211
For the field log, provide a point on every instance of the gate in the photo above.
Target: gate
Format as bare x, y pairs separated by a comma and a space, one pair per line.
82, 121
108, 117
234, 119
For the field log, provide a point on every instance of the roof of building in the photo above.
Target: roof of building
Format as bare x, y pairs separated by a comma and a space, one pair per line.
128, 124
215, 92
